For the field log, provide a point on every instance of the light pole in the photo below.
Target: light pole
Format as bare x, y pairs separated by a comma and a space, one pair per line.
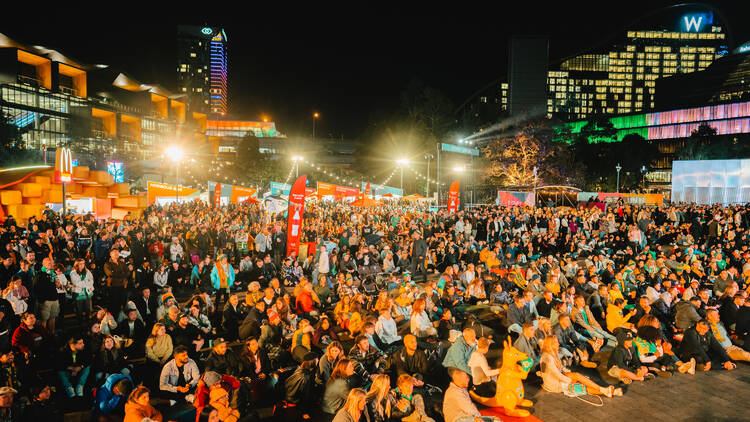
296, 160
643, 172
315, 117
175, 154
428, 157
402, 162
618, 167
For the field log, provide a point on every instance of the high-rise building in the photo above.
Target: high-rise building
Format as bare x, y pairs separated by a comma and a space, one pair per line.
527, 73
202, 67
618, 75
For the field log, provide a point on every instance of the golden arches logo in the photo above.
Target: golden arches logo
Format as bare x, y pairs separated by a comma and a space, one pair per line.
63, 165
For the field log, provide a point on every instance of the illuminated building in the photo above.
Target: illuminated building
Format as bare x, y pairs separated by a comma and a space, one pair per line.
241, 128
672, 128
619, 76
54, 100
202, 67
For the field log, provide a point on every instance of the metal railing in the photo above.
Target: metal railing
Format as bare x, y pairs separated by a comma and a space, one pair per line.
29, 80
70, 91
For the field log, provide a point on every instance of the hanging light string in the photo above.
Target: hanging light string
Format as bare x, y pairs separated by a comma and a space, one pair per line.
423, 177
385, 183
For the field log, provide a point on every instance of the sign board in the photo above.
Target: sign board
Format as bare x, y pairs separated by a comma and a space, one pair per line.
379, 190
280, 188
694, 22
460, 150
63, 165
329, 189
117, 170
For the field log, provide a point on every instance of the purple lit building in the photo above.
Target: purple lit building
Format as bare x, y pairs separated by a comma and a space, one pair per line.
202, 67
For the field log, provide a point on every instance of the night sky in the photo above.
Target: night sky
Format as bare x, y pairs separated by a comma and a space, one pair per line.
346, 63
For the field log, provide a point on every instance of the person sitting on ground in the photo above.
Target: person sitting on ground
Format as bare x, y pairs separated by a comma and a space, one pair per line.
700, 344
298, 388
74, 365
179, 377
302, 340
138, 407
459, 353
110, 397
623, 362
556, 378
219, 400
721, 335
483, 377
615, 317
353, 408
327, 362
337, 387
408, 406
221, 359
457, 404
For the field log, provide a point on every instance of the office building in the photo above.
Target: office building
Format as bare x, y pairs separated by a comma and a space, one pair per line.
202, 67
618, 76
527, 74
54, 101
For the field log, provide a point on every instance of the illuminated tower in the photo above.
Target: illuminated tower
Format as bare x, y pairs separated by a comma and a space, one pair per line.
202, 67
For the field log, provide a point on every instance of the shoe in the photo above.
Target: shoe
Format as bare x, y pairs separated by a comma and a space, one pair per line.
664, 374
70, 392
589, 364
684, 367
190, 398
691, 370
79, 391
649, 376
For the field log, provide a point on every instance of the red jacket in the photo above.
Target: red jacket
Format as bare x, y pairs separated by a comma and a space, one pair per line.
25, 340
202, 393
305, 302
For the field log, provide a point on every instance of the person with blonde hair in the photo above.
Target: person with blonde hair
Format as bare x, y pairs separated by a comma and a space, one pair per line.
159, 345
558, 379
380, 399
353, 408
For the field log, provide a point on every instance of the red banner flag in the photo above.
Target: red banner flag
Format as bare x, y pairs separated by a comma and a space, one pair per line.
453, 199
367, 190
217, 195
295, 213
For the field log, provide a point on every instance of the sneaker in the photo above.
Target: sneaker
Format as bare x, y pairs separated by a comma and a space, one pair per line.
70, 392
589, 364
79, 391
190, 398
691, 370
649, 376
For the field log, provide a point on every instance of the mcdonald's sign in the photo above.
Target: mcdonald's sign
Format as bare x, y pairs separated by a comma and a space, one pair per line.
63, 165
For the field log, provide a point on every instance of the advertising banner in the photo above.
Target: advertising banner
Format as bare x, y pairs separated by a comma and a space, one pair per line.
329, 189
278, 188
453, 199
163, 190
217, 195
514, 199
295, 213
380, 190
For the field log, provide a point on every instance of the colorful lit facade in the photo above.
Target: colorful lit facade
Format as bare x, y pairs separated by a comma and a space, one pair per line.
202, 66
54, 100
241, 128
672, 128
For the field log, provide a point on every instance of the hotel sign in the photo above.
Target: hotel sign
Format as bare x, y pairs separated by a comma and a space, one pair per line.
695, 22
207, 31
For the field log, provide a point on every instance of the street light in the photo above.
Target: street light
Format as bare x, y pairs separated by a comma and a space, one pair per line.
428, 157
316, 115
618, 167
458, 169
296, 160
175, 154
402, 162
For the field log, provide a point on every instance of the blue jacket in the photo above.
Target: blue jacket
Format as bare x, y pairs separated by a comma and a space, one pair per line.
458, 355
106, 401
215, 276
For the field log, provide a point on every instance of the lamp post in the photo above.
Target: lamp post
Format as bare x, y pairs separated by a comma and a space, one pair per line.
402, 162
428, 157
618, 167
175, 154
296, 160
643, 172
315, 117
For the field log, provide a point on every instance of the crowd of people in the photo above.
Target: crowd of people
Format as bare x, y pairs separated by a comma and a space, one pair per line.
387, 314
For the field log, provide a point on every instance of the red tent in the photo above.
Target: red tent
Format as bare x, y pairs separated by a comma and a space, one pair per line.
250, 200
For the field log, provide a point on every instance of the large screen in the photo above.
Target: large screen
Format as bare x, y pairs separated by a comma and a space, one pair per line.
711, 181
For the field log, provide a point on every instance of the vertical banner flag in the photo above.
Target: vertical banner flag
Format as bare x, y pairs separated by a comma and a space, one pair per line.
453, 199
217, 195
296, 211
367, 191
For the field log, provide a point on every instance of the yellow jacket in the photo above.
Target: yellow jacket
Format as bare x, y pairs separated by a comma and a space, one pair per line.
615, 319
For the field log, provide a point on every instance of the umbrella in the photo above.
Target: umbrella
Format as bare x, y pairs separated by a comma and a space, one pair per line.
387, 195
414, 197
250, 200
366, 202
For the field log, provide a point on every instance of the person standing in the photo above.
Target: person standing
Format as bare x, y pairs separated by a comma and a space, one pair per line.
418, 254
45, 290
117, 273
222, 277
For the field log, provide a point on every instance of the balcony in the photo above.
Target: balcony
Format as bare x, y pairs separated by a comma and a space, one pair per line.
69, 91
29, 80
100, 134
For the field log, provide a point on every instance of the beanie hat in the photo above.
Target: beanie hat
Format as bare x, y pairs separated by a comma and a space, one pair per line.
210, 378
217, 394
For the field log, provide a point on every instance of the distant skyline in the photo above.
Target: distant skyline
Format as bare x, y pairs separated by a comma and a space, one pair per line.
344, 64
